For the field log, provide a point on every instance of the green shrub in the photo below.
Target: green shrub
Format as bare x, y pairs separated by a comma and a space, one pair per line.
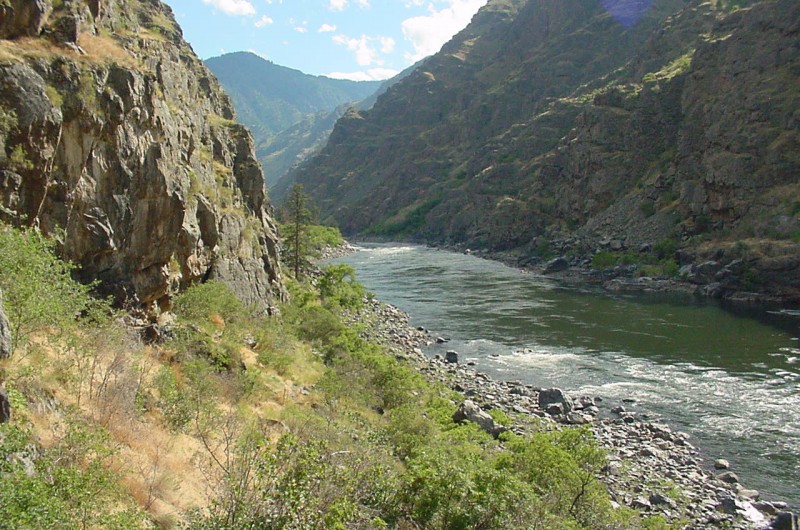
324, 236
38, 288
71, 487
604, 260
665, 249
171, 399
338, 287
201, 302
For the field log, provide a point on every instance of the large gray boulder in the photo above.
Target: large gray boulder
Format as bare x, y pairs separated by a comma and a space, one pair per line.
554, 399
470, 411
5, 332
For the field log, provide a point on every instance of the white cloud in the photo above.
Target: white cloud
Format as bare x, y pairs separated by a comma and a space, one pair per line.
326, 28
340, 5
233, 7
429, 33
365, 52
373, 74
387, 44
301, 29
263, 21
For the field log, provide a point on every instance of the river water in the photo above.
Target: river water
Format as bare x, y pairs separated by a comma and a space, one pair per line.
729, 377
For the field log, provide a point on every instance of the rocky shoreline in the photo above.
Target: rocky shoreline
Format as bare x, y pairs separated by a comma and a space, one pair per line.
719, 279
651, 468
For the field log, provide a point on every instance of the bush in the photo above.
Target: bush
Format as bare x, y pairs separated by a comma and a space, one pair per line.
201, 302
338, 287
38, 288
665, 249
323, 236
71, 488
604, 260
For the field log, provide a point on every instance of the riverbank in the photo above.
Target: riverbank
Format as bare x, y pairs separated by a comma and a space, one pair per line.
723, 278
651, 468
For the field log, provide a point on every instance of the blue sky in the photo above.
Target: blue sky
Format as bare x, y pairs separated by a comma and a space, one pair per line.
352, 39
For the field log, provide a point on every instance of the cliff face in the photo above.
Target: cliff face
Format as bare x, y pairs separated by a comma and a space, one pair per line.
113, 130
568, 124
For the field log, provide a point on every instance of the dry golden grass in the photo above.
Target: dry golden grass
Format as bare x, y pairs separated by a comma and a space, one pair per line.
100, 48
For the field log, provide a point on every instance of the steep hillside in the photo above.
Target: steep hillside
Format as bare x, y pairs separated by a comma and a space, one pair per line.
292, 146
112, 130
289, 112
559, 126
270, 98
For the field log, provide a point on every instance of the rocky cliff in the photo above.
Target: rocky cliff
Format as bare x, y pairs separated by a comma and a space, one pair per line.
563, 126
114, 135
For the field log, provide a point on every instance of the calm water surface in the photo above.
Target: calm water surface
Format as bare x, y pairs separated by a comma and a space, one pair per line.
729, 377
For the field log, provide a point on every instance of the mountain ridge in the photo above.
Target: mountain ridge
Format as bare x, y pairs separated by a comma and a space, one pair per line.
551, 125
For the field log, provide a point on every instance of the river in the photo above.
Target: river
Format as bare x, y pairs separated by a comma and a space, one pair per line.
730, 377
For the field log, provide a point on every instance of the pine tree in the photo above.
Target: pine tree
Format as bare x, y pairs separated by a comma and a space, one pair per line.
299, 218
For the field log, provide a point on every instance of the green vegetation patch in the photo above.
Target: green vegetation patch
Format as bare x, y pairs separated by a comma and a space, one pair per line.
409, 224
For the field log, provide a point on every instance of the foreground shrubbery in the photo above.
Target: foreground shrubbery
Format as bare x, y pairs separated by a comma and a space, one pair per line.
371, 445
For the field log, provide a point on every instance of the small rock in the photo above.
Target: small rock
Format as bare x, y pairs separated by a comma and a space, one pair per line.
749, 495
729, 477
640, 503
722, 464
659, 499
441, 340
618, 410
730, 505
451, 357
765, 507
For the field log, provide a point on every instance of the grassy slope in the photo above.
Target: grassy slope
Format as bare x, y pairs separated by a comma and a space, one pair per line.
234, 421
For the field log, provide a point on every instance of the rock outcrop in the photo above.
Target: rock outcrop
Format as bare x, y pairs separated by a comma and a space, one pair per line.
6, 344
554, 127
112, 130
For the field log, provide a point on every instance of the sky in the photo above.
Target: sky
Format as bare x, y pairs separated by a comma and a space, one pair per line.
346, 39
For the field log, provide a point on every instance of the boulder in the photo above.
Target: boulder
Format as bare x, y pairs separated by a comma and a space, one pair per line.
5, 407
451, 357
555, 396
5, 332
556, 265
470, 411
729, 477
785, 521
722, 464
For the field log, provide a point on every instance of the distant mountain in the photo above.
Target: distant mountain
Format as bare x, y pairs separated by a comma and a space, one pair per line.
271, 99
568, 127
281, 152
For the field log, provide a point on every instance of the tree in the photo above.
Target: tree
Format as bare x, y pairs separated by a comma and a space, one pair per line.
298, 220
